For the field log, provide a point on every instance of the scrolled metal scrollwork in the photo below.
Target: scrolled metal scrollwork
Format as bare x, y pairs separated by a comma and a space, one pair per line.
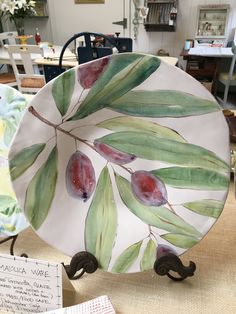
12, 245
84, 262
171, 262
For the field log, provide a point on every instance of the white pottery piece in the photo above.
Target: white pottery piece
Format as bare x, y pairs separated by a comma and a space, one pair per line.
89, 130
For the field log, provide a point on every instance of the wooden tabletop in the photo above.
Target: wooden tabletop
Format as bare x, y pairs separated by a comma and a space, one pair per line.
169, 60
71, 61
67, 62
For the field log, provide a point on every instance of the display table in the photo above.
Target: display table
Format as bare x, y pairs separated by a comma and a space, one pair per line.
203, 62
71, 61
211, 290
49, 52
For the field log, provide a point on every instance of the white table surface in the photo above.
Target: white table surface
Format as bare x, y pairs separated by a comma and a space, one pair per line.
69, 60
211, 51
49, 52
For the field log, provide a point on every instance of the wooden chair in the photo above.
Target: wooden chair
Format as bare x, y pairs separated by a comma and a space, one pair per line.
91, 51
29, 81
8, 38
228, 79
8, 77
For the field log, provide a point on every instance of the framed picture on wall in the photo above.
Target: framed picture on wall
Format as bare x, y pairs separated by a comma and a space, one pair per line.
89, 1
212, 21
41, 8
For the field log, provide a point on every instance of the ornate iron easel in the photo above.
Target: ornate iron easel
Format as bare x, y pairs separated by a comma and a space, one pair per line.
13, 241
85, 262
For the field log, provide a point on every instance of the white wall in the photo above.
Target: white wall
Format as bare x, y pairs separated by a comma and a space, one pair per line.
186, 26
66, 19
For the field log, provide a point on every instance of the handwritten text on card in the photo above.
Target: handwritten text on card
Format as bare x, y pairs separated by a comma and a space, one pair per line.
28, 285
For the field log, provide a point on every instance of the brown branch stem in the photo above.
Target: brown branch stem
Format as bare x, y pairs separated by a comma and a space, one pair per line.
127, 169
58, 127
151, 233
171, 208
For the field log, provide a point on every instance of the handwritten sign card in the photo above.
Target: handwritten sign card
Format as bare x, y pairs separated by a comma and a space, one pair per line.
100, 305
28, 285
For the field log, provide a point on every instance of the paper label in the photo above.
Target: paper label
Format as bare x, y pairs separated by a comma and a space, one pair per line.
100, 305
28, 285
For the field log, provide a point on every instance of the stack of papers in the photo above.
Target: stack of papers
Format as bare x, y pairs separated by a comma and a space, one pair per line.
101, 305
210, 51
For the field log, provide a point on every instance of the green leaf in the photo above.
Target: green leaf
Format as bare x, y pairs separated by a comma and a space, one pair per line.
208, 207
62, 90
138, 125
192, 178
162, 103
148, 146
159, 217
149, 256
8, 206
124, 72
101, 221
127, 258
41, 190
24, 159
9, 132
180, 240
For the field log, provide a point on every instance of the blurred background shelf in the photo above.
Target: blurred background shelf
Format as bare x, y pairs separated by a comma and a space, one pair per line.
161, 16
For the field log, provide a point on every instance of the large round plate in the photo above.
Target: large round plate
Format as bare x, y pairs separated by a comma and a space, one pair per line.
78, 149
12, 104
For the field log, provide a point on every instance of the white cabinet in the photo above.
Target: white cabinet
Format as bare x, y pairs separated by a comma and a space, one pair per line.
212, 21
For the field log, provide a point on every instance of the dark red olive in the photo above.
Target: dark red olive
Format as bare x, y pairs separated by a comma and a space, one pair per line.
163, 249
112, 154
148, 189
80, 176
88, 73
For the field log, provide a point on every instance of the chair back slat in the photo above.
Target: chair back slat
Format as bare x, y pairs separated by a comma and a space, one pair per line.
232, 65
8, 77
8, 38
25, 54
227, 79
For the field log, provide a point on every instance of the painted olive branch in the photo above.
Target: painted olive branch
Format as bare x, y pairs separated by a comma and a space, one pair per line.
57, 127
151, 233
171, 208
76, 138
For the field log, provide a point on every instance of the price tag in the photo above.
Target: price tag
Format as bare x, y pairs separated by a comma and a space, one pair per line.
100, 305
29, 286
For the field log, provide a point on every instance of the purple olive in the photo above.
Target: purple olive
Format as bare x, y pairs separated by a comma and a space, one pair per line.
88, 73
112, 154
80, 176
163, 249
148, 189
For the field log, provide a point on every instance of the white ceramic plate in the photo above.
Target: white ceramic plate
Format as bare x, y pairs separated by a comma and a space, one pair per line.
123, 157
12, 104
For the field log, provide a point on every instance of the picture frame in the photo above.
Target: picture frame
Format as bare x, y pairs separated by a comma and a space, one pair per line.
89, 1
212, 21
41, 8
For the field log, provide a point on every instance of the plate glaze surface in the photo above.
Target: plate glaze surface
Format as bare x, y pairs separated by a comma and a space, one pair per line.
12, 104
125, 157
